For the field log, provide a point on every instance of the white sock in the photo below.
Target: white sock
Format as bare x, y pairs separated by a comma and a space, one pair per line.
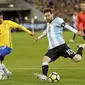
5, 69
1, 70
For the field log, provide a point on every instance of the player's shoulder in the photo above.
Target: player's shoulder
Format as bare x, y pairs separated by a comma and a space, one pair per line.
80, 13
58, 19
7, 21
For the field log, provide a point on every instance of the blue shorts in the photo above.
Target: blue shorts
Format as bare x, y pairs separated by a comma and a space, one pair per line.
4, 50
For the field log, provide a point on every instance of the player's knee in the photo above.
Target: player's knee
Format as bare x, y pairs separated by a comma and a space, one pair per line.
46, 59
77, 58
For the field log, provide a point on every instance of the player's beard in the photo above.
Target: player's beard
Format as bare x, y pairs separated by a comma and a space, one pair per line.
49, 20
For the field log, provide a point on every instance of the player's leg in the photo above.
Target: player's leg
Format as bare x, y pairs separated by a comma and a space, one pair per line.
45, 67
4, 51
1, 70
68, 52
73, 39
45, 63
5, 69
84, 33
7, 72
74, 36
78, 55
50, 56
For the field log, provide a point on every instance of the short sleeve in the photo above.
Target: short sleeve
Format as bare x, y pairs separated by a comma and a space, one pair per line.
59, 21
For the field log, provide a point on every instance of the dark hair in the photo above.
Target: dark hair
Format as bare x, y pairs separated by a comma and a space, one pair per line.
48, 10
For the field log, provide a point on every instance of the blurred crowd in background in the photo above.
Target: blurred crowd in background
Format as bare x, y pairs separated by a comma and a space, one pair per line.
60, 5
67, 9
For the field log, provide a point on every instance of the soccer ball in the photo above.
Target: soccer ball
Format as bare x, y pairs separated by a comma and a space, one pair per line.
53, 77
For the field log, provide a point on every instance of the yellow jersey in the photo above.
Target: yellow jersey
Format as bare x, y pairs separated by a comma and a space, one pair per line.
5, 32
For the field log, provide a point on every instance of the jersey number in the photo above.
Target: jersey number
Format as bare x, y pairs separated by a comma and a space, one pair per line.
69, 51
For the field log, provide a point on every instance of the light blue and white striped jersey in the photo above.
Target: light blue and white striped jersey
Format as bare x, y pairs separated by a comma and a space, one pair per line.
54, 33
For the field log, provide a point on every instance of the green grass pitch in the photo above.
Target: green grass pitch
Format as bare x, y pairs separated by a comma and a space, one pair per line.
25, 60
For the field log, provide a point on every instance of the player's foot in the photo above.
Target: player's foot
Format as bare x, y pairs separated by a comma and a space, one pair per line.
41, 76
1, 75
81, 45
7, 76
71, 40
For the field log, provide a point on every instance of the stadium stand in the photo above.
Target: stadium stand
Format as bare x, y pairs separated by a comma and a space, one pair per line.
62, 8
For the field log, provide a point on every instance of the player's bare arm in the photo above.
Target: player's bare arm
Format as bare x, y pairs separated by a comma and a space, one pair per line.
41, 36
32, 34
80, 33
15, 25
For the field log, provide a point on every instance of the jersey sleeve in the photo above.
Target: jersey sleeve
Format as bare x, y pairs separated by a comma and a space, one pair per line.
59, 21
15, 25
43, 34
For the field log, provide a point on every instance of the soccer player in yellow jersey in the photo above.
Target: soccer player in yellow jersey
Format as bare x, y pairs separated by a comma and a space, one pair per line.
6, 43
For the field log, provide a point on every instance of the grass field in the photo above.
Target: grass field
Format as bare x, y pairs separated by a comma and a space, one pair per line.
25, 60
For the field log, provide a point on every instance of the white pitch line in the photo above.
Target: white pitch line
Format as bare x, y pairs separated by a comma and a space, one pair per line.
74, 68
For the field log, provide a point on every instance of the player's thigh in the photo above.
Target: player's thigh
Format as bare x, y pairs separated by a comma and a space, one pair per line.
67, 52
5, 51
2, 58
52, 54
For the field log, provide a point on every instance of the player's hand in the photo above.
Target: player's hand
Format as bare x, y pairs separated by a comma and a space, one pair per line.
80, 33
36, 39
32, 34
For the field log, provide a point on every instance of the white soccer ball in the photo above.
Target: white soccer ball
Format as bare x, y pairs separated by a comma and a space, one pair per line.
53, 77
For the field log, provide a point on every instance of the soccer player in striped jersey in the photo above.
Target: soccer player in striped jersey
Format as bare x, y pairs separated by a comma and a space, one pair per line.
6, 43
57, 44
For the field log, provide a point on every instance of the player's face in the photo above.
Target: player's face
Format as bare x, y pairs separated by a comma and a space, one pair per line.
83, 7
1, 19
48, 17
